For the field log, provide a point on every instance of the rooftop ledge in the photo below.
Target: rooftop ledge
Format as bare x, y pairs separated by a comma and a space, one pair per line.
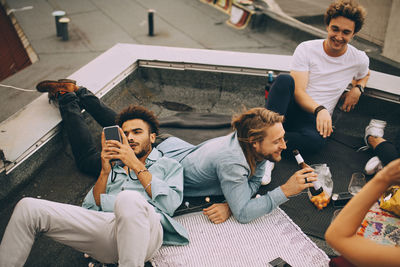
18, 141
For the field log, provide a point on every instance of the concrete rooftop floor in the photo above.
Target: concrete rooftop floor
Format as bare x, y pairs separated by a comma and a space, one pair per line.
95, 27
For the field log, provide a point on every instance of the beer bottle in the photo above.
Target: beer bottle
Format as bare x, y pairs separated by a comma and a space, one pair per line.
317, 189
270, 81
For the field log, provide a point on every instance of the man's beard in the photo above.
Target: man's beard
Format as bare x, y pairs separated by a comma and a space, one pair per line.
144, 151
271, 158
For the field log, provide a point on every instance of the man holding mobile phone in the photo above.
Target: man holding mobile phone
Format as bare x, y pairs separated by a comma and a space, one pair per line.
126, 216
112, 133
231, 165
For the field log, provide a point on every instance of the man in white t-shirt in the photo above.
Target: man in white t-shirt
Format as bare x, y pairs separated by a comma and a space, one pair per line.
320, 72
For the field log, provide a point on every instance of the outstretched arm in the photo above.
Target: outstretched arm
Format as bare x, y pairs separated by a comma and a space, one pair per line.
237, 191
323, 119
341, 235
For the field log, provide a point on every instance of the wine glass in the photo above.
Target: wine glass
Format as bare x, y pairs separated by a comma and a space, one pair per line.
356, 183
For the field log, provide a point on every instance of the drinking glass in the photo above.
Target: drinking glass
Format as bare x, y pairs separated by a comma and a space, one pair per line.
356, 183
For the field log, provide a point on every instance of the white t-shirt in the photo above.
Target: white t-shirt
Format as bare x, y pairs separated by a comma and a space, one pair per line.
328, 76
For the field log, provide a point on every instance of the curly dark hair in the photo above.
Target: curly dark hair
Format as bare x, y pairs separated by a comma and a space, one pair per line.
138, 112
349, 9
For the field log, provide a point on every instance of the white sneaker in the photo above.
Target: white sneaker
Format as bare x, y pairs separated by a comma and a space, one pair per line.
375, 128
269, 166
373, 166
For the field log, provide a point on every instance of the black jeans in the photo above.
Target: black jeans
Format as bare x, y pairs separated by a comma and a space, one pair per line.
86, 154
300, 126
387, 151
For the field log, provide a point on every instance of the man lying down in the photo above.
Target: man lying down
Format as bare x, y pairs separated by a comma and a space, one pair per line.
231, 165
234, 165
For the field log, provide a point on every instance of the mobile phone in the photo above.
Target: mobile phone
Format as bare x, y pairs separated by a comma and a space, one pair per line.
340, 199
112, 133
279, 262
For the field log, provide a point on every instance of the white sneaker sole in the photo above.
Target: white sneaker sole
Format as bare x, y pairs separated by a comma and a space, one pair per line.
373, 166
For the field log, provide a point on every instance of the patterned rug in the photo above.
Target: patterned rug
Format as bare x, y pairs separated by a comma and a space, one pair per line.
381, 227
233, 244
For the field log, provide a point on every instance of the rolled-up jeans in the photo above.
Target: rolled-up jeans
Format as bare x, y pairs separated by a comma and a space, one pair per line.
387, 151
129, 236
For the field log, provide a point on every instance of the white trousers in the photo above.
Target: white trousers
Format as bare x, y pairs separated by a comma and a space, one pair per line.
129, 236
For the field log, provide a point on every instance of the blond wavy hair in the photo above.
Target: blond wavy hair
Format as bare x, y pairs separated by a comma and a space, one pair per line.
251, 126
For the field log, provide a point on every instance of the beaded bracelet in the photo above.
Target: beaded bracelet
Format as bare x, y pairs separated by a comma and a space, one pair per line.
145, 188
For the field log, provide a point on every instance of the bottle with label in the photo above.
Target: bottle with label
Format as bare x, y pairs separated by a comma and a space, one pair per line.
270, 80
317, 189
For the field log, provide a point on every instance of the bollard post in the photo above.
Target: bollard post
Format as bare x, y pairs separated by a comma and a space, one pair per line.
150, 17
57, 15
64, 28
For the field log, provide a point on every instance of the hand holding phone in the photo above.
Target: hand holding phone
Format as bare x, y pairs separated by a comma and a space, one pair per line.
112, 133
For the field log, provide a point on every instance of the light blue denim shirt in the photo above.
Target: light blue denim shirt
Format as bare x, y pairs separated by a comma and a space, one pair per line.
166, 190
219, 167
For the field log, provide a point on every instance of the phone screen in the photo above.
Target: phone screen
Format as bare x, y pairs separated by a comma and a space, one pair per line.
112, 133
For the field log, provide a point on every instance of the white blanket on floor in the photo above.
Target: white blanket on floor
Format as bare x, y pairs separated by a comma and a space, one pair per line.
233, 244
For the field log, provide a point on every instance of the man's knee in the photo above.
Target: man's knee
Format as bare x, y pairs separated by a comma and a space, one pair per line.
133, 197
284, 82
128, 203
281, 94
27, 209
27, 204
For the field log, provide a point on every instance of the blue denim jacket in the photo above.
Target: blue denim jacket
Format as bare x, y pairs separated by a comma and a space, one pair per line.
219, 167
166, 190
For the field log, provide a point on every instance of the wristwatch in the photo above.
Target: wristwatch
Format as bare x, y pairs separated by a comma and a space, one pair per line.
359, 86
